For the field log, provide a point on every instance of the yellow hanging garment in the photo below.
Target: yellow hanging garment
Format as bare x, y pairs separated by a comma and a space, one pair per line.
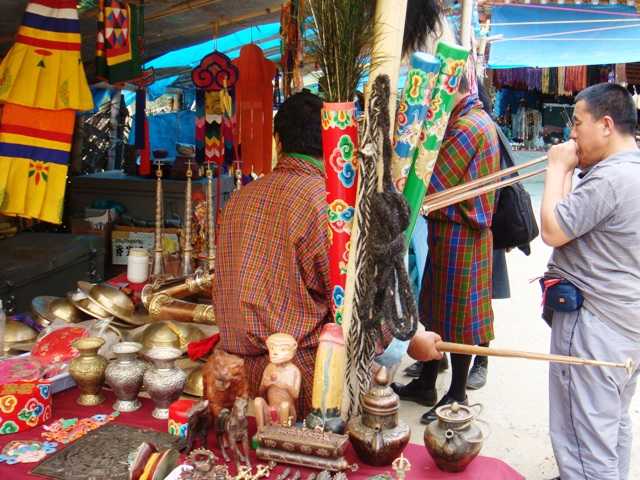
34, 151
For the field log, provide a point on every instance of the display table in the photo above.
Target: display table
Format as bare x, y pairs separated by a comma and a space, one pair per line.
64, 406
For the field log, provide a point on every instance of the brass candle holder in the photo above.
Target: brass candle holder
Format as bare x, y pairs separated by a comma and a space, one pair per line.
187, 250
158, 264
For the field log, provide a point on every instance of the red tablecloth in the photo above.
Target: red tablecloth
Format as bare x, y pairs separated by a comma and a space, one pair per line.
64, 406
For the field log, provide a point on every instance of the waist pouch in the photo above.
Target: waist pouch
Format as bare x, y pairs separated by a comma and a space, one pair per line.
560, 295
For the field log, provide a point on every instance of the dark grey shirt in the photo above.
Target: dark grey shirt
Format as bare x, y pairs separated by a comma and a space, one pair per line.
602, 217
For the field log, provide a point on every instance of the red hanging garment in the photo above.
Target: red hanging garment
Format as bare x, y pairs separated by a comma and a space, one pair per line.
254, 94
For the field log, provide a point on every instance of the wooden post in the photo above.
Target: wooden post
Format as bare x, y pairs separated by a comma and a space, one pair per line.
465, 23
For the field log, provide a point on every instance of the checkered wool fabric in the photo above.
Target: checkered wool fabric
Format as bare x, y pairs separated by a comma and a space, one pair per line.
456, 290
272, 269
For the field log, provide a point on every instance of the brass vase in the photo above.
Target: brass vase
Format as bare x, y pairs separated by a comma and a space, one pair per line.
124, 376
163, 381
88, 370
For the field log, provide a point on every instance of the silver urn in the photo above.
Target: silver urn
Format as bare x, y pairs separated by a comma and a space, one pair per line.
124, 376
163, 381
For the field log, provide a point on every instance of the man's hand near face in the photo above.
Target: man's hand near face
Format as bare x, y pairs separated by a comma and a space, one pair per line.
563, 159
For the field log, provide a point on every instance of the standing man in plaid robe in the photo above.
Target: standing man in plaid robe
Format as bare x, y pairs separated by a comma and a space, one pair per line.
456, 289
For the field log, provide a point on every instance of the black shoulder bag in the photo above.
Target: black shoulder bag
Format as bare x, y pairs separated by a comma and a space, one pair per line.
514, 223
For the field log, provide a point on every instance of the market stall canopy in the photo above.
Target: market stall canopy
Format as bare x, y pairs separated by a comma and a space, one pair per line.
563, 35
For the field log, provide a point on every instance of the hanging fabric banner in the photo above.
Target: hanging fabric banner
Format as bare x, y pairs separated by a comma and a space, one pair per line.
213, 146
254, 109
200, 122
453, 60
118, 41
42, 82
34, 153
43, 68
421, 80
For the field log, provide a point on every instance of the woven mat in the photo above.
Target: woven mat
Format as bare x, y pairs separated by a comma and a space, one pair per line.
102, 454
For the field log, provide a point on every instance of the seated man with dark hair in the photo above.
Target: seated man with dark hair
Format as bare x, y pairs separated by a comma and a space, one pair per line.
272, 262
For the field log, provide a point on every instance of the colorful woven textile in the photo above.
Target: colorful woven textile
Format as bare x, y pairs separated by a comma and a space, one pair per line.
34, 152
272, 268
120, 30
43, 69
456, 290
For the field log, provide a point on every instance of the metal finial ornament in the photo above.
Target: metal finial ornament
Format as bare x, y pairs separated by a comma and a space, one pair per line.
187, 251
158, 264
401, 466
211, 240
238, 177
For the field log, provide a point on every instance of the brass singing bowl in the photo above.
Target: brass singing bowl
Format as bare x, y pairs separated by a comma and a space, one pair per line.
17, 333
160, 334
194, 384
112, 300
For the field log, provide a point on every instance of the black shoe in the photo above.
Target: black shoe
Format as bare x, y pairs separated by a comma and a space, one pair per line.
477, 376
444, 363
414, 391
414, 370
430, 416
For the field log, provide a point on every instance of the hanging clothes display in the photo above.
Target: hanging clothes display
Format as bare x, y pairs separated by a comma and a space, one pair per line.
621, 73
254, 111
561, 73
42, 84
553, 81
120, 28
292, 47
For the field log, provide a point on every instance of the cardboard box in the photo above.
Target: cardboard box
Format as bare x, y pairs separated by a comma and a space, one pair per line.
125, 238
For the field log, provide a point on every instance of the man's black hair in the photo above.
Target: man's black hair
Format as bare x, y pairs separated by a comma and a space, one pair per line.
297, 124
614, 101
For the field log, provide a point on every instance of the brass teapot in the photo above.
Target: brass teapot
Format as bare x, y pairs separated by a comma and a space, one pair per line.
378, 436
456, 438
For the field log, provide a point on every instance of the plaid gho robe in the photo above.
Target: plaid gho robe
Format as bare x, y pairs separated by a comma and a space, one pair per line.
272, 269
456, 289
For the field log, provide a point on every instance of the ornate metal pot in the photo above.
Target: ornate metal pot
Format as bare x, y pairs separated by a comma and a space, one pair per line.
377, 436
455, 439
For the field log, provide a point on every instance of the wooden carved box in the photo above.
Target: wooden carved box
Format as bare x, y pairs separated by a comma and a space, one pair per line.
303, 440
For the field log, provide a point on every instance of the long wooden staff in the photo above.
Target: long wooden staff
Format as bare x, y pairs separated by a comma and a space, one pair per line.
464, 349
478, 182
430, 206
